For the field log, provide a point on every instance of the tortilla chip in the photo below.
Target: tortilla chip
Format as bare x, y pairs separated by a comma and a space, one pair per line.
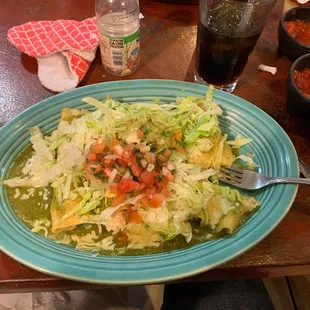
57, 215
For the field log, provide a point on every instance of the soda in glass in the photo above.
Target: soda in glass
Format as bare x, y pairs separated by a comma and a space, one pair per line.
227, 33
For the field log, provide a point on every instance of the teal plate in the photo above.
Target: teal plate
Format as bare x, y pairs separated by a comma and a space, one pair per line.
275, 155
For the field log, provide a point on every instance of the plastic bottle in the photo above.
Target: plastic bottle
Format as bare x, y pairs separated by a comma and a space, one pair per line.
119, 35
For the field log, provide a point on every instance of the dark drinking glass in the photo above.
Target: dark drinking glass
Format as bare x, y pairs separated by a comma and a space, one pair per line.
227, 33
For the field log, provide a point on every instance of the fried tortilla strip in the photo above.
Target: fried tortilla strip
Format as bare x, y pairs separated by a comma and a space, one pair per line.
57, 213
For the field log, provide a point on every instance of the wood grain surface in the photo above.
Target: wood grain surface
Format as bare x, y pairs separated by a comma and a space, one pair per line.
168, 38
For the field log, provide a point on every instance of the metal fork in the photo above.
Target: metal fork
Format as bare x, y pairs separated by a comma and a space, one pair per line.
304, 169
253, 180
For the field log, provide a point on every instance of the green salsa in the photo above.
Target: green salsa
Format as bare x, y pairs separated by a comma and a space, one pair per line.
36, 207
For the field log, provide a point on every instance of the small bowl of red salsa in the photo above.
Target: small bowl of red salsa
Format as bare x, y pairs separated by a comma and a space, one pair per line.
302, 81
299, 30
294, 32
298, 87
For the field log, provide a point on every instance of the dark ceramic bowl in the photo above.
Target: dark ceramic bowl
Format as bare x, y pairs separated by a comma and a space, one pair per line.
297, 103
289, 46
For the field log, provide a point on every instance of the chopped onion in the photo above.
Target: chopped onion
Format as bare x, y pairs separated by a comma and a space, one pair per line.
143, 163
153, 155
127, 175
145, 149
121, 169
170, 165
166, 171
150, 167
119, 150
112, 176
111, 156
142, 144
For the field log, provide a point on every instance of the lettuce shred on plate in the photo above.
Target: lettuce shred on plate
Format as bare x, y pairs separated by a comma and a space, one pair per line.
139, 173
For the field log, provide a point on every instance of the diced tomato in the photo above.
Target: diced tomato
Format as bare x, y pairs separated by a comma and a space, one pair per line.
99, 148
142, 202
91, 168
165, 192
157, 200
179, 136
147, 177
129, 211
162, 158
86, 168
118, 150
108, 171
118, 199
85, 165
128, 157
158, 169
167, 174
135, 217
141, 187
108, 162
136, 169
150, 192
131, 160
121, 238
100, 157
172, 141
130, 147
179, 149
167, 153
122, 162
113, 188
163, 183
169, 177
148, 157
114, 142
126, 185
139, 133
91, 156
94, 168
117, 178
176, 137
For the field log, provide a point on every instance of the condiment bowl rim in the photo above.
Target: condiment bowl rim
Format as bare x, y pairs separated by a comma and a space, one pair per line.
291, 74
285, 30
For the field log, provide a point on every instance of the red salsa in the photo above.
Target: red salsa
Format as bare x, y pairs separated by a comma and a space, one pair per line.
300, 30
302, 80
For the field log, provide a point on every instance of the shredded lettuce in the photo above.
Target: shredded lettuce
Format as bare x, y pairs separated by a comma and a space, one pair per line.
89, 242
248, 160
41, 226
239, 141
58, 160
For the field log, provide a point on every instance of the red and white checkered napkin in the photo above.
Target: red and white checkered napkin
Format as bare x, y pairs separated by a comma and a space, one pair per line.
64, 49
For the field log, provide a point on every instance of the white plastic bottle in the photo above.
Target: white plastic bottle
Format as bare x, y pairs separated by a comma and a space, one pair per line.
119, 35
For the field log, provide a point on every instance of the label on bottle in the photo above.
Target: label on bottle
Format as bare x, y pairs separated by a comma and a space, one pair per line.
120, 53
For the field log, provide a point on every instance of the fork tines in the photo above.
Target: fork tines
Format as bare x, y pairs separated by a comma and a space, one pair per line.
231, 175
232, 170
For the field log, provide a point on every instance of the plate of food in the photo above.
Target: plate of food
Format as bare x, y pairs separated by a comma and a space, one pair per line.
117, 183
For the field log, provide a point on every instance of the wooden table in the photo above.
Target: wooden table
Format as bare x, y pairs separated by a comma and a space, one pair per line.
168, 46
